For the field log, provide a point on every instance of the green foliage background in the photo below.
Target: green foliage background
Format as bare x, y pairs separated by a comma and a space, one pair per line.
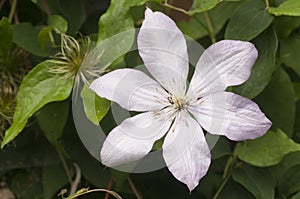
41, 152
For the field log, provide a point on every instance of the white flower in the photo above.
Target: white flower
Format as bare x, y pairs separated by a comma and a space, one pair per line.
170, 109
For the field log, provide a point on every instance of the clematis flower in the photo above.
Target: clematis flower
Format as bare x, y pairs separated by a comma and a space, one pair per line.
174, 111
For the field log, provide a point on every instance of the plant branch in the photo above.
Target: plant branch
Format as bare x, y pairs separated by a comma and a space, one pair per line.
210, 28
2, 3
267, 4
86, 191
46, 7
135, 191
12, 10
76, 181
64, 163
231, 162
109, 186
165, 4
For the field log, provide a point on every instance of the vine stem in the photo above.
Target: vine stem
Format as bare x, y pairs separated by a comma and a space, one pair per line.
2, 3
12, 10
109, 186
135, 191
76, 181
165, 4
221, 187
267, 4
227, 172
64, 163
86, 191
210, 28
46, 7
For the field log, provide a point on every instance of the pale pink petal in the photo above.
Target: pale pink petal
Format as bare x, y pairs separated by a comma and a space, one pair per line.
163, 49
133, 138
228, 114
225, 63
131, 89
185, 151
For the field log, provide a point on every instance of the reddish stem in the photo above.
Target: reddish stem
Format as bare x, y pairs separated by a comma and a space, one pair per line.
2, 3
109, 186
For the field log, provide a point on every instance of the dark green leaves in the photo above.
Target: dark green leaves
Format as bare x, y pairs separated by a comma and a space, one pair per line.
26, 36
289, 7
38, 88
264, 67
248, 21
73, 11
196, 27
267, 150
115, 20
52, 119
290, 53
289, 183
256, 180
6, 35
278, 102
58, 22
203, 5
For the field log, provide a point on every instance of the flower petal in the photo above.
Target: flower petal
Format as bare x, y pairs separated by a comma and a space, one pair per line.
225, 63
131, 89
185, 151
163, 49
228, 114
133, 138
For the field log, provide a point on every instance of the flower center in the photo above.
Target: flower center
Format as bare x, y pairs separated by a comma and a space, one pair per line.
177, 103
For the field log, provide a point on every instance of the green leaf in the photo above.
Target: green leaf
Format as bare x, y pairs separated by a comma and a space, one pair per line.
27, 185
234, 190
289, 184
264, 66
54, 177
297, 120
95, 107
131, 3
58, 22
90, 168
116, 28
119, 178
6, 35
196, 27
74, 12
248, 21
267, 150
297, 196
297, 90
118, 25
29, 152
278, 102
26, 36
52, 119
38, 88
289, 7
290, 52
256, 180
285, 25
116, 19
222, 148
203, 5
44, 36
289, 161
